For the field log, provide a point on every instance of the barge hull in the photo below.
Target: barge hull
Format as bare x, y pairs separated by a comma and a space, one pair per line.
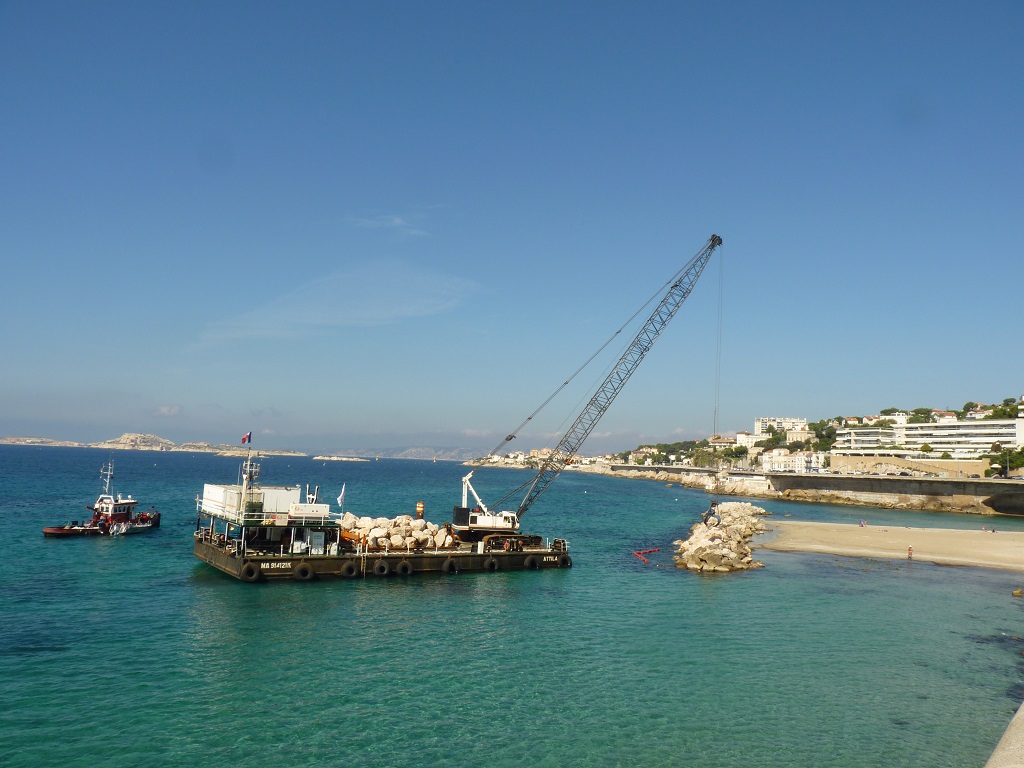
373, 564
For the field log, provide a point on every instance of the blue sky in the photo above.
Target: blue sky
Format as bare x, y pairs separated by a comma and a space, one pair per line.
374, 225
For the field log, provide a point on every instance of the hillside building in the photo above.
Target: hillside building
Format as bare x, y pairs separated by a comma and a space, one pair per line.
965, 439
801, 435
781, 460
778, 424
746, 440
718, 443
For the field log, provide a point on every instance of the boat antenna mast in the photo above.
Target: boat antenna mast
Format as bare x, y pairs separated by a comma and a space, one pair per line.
563, 454
106, 475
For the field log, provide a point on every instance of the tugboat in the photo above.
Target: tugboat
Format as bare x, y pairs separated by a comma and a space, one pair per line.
111, 516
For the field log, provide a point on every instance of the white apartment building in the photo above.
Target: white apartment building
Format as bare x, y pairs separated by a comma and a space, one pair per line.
642, 455
746, 440
718, 443
781, 460
780, 424
802, 435
960, 439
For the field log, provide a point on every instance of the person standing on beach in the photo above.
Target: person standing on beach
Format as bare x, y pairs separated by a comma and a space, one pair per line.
910, 553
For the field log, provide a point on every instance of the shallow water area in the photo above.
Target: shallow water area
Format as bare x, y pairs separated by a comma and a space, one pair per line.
131, 652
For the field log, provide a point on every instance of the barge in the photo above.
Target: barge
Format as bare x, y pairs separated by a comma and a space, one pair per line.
255, 533
268, 533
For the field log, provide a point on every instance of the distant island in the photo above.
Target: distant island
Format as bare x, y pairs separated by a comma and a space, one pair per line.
131, 441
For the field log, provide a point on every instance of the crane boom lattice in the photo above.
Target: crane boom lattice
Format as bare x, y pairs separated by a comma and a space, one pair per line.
572, 441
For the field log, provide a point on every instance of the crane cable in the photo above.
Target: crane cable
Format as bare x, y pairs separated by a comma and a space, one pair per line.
585, 396
718, 370
512, 435
718, 349
526, 483
656, 295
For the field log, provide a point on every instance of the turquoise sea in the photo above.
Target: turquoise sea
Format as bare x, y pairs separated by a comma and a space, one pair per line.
129, 652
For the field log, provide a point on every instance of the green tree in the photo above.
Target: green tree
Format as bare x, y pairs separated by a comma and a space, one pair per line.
926, 448
702, 457
920, 415
1008, 409
825, 432
735, 453
1008, 460
774, 441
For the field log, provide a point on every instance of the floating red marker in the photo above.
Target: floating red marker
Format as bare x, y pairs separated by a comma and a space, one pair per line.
640, 554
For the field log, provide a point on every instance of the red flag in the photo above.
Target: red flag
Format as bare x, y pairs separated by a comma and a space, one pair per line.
247, 438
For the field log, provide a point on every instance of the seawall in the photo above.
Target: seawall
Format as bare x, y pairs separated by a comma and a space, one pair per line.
985, 496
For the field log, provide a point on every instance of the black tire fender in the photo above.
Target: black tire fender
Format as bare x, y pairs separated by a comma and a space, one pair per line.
531, 563
381, 568
450, 566
491, 564
404, 568
304, 572
250, 573
350, 570
564, 561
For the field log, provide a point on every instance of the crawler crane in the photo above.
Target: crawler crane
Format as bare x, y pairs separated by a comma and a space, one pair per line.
472, 524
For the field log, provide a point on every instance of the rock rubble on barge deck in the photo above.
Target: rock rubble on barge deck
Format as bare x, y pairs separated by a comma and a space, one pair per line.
258, 533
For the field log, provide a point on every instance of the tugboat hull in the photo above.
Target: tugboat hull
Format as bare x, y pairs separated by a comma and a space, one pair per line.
66, 531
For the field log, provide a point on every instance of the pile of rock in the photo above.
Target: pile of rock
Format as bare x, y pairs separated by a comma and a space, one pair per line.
402, 532
722, 544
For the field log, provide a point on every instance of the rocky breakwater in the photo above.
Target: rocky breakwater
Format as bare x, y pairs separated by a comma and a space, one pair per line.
402, 532
722, 544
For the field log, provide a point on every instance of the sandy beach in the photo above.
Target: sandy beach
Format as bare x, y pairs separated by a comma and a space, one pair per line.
976, 548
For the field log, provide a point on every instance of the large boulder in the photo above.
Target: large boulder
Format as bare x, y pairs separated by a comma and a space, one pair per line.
724, 545
399, 532
420, 537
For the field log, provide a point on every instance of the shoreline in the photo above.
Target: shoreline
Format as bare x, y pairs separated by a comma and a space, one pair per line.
1003, 550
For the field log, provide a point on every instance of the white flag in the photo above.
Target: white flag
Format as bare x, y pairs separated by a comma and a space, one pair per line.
341, 496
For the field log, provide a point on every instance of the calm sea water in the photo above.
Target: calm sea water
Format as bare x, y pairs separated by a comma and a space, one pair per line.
129, 652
